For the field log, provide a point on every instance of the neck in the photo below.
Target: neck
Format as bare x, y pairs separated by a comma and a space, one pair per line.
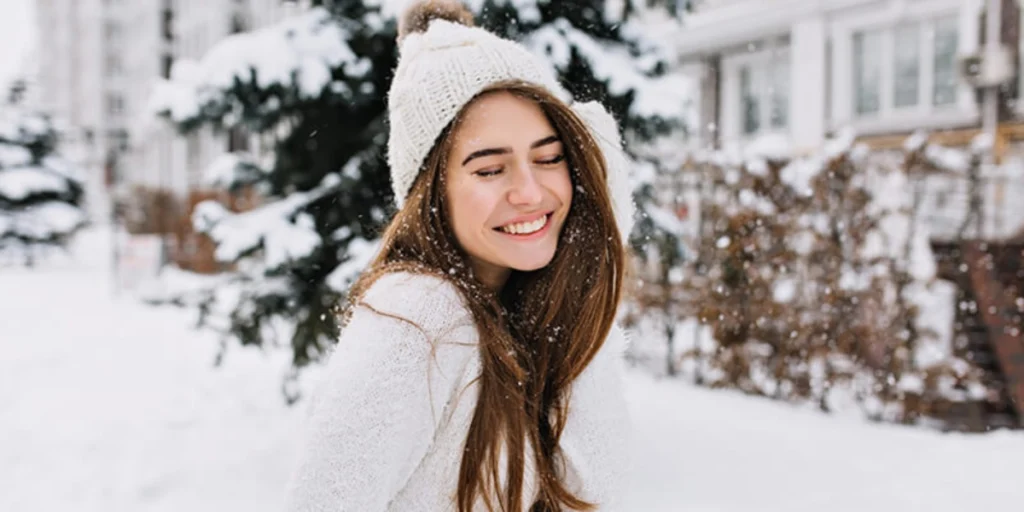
492, 276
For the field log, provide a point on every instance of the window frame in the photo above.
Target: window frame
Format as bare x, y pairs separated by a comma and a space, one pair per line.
921, 69
760, 62
890, 118
115, 103
1019, 104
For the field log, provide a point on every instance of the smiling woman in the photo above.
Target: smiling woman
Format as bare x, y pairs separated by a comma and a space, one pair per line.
511, 194
480, 367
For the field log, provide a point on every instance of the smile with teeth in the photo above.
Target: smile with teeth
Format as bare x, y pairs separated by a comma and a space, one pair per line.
525, 228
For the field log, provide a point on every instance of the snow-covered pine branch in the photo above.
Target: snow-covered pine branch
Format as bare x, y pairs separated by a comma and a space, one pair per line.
257, 77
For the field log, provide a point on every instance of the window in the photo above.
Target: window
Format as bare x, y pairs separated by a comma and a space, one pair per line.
237, 24
113, 65
1020, 64
779, 94
945, 84
238, 139
167, 24
115, 104
910, 66
111, 31
749, 102
867, 71
166, 63
193, 155
118, 140
760, 96
907, 66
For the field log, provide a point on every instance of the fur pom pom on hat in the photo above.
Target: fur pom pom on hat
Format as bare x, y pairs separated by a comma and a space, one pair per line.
444, 62
418, 16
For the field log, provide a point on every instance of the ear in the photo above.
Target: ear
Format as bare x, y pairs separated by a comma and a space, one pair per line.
605, 131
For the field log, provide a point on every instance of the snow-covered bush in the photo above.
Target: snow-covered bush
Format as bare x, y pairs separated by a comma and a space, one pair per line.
40, 192
812, 277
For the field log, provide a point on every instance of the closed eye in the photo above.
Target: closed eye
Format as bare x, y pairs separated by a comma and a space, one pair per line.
486, 173
553, 160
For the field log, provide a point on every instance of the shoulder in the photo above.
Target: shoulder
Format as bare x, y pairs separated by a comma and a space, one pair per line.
430, 302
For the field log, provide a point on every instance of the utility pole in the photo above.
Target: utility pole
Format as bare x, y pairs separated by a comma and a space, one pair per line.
990, 101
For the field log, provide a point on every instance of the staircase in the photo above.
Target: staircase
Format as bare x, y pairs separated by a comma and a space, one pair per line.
989, 327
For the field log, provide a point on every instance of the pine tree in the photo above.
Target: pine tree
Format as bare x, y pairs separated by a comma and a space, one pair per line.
40, 192
327, 192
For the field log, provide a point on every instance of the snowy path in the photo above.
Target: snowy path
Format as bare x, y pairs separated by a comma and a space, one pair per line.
109, 405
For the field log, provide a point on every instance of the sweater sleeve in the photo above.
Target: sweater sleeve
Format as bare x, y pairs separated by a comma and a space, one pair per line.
382, 399
597, 439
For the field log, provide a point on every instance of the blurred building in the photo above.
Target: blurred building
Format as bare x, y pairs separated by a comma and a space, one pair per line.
804, 69
102, 58
798, 71
159, 158
68, 69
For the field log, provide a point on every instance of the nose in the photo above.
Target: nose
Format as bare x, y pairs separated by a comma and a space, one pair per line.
525, 190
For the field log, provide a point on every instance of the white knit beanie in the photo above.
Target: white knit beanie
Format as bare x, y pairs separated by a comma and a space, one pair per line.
445, 66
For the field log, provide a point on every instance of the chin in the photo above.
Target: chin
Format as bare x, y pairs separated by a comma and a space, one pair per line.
531, 264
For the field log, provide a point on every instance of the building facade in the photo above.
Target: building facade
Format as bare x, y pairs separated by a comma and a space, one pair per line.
803, 70
103, 58
70, 82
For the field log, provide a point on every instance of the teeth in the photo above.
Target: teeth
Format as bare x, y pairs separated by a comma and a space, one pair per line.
525, 228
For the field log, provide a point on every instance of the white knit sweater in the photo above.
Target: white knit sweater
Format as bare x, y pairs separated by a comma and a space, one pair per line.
389, 422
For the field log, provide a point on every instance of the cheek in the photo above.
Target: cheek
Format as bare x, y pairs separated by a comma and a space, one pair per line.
470, 207
560, 185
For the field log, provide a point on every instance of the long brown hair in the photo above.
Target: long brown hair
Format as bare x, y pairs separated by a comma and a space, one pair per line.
535, 336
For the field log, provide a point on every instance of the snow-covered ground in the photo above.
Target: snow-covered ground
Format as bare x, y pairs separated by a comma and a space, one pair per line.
110, 405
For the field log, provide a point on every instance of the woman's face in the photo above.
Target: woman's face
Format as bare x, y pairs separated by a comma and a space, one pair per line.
508, 186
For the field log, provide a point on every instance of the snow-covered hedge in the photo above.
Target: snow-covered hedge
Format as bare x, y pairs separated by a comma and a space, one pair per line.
811, 279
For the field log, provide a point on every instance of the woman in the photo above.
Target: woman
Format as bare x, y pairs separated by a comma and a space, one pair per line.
479, 368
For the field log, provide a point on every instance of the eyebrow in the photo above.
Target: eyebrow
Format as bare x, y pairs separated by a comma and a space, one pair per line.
550, 139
